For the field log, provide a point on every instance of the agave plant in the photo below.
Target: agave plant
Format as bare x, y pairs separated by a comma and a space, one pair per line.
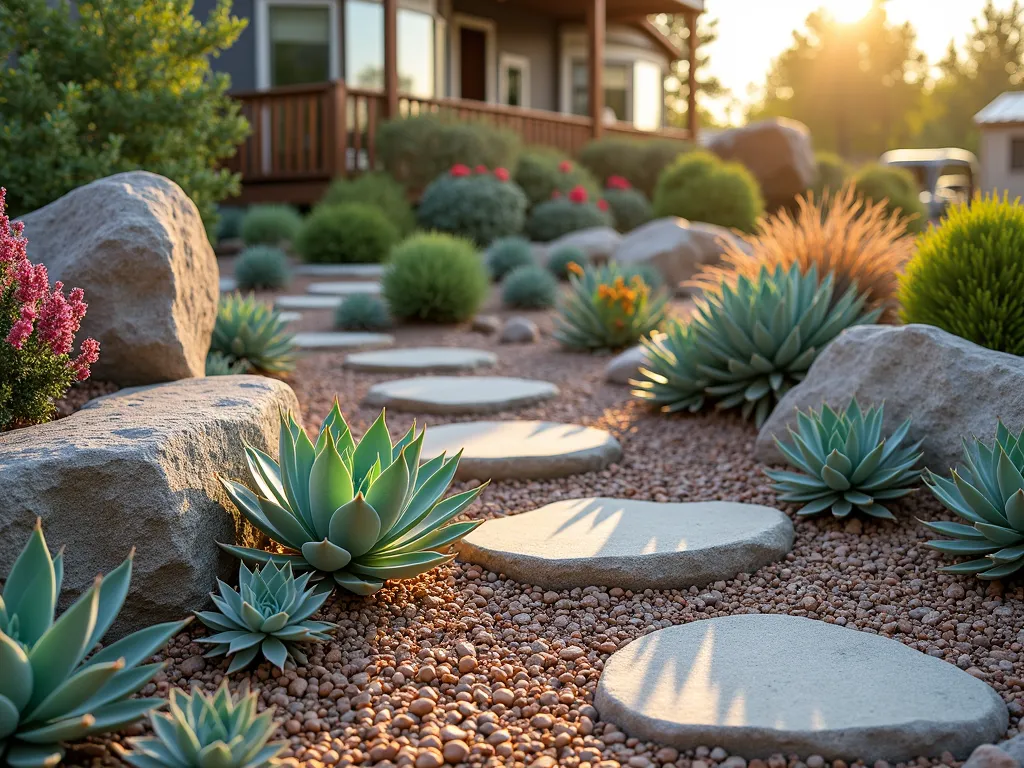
846, 462
48, 694
269, 612
201, 731
360, 513
218, 364
252, 332
987, 493
748, 343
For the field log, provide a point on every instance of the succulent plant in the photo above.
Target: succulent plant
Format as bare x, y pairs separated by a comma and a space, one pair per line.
202, 731
988, 493
561, 257
846, 462
251, 331
268, 613
747, 343
360, 513
219, 364
48, 694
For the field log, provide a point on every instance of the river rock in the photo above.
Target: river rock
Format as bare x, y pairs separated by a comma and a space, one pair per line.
598, 243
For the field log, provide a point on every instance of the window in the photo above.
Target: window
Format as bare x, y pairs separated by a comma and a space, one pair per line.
515, 80
618, 89
1017, 154
364, 47
300, 44
648, 96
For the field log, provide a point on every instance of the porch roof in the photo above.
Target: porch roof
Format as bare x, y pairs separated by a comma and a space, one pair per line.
616, 9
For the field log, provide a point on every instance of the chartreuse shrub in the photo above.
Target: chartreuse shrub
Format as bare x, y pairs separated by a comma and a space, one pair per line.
607, 310
362, 312
376, 189
543, 171
562, 257
358, 513
564, 214
351, 233
49, 693
507, 254
629, 207
846, 463
250, 332
270, 225
529, 287
640, 161
748, 343
701, 187
436, 278
37, 334
897, 188
967, 276
261, 267
476, 204
202, 731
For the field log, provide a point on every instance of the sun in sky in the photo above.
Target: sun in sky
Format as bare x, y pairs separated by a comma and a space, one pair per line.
848, 11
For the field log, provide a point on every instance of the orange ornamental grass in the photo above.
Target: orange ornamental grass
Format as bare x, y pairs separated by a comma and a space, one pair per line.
839, 234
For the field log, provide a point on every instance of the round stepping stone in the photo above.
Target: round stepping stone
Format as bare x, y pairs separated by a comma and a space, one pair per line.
342, 340
340, 270
760, 684
528, 450
631, 544
307, 302
421, 359
351, 288
459, 394
228, 284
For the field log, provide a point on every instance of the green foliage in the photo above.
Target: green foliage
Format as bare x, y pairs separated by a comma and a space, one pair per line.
219, 364
967, 277
351, 233
229, 222
49, 693
362, 312
358, 513
116, 85
251, 332
270, 225
201, 731
629, 208
436, 278
701, 187
845, 463
831, 175
376, 189
640, 161
529, 287
561, 216
607, 310
543, 171
562, 257
875, 183
507, 254
480, 207
649, 273
748, 342
262, 267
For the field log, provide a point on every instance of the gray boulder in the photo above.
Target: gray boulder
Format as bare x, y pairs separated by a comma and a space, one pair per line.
950, 388
519, 330
599, 243
138, 469
136, 245
778, 152
625, 366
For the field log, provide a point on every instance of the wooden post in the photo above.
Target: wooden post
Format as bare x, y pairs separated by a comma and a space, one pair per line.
596, 21
691, 97
391, 57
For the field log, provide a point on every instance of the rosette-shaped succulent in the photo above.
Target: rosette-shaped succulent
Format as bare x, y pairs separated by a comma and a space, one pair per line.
201, 731
48, 694
846, 463
748, 343
268, 613
359, 513
988, 494
251, 332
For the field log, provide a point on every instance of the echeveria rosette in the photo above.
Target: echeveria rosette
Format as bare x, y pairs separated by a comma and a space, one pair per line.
358, 513
251, 332
48, 694
846, 463
988, 494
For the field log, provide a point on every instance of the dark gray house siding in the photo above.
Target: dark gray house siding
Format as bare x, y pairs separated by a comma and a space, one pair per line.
239, 61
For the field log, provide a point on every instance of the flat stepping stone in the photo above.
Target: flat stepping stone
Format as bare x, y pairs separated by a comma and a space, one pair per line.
526, 450
307, 302
340, 270
228, 284
459, 394
289, 317
421, 359
630, 544
351, 288
342, 340
760, 684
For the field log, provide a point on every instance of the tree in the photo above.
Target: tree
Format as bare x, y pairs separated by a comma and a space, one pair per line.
118, 85
677, 85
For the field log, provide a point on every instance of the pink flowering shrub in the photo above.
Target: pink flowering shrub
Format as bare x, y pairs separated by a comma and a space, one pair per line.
37, 333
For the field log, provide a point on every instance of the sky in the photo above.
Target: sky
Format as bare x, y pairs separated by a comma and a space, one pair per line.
753, 32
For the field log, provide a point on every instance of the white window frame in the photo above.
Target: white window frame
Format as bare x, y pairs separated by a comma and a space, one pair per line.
262, 13
507, 61
490, 29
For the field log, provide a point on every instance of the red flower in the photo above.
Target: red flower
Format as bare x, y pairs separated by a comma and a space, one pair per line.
481, 169
578, 194
565, 166
501, 174
459, 170
618, 182
90, 354
602, 204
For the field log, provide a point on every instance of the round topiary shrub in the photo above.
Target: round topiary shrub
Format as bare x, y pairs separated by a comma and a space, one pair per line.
352, 233
435, 277
561, 258
261, 268
378, 190
475, 204
629, 207
506, 254
967, 276
542, 171
229, 222
270, 225
701, 187
566, 213
362, 312
529, 287
875, 183
831, 174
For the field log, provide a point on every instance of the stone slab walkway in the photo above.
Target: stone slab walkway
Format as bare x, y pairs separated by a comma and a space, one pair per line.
342, 288
296, 302
340, 270
459, 394
421, 360
342, 340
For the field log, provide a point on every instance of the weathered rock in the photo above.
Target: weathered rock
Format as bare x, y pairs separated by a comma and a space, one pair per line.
757, 685
135, 244
778, 152
486, 324
626, 365
459, 394
1014, 747
421, 360
138, 469
599, 243
990, 756
949, 387
519, 330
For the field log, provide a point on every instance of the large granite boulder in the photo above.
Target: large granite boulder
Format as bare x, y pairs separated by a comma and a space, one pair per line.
135, 244
778, 152
599, 243
949, 387
138, 469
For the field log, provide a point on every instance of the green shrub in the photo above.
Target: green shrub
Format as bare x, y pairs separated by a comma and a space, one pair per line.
561, 258
701, 187
261, 267
270, 225
362, 312
351, 233
831, 175
435, 277
529, 287
641, 161
507, 254
565, 214
875, 183
416, 150
229, 222
251, 332
542, 171
628, 206
477, 205
376, 189
967, 276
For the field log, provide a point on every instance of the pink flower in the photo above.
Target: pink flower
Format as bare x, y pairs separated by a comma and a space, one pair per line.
12, 243
618, 182
459, 170
60, 318
90, 354
481, 169
33, 282
602, 204
501, 174
22, 328
578, 194
565, 166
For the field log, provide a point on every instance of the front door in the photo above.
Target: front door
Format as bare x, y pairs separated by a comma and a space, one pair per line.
473, 62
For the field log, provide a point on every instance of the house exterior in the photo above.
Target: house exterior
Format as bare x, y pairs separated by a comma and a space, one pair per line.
1001, 124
